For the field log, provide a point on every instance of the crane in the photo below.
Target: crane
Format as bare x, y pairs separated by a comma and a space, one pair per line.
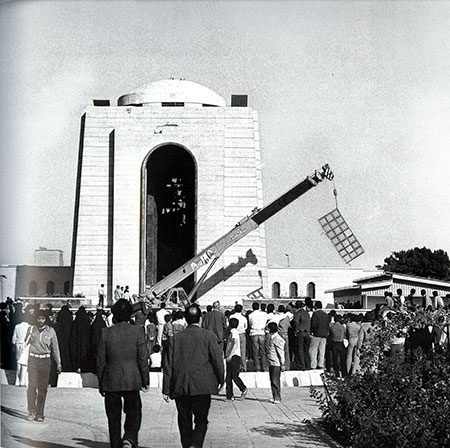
209, 255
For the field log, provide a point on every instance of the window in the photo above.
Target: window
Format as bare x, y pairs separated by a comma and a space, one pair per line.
293, 290
32, 288
311, 290
66, 287
50, 287
275, 290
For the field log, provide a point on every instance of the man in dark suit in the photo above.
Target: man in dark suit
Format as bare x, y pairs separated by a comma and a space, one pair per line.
214, 321
192, 372
301, 323
122, 370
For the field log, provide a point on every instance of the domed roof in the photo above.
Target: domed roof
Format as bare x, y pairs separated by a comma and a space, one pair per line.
172, 91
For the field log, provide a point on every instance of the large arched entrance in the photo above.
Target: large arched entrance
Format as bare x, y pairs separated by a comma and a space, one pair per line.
168, 207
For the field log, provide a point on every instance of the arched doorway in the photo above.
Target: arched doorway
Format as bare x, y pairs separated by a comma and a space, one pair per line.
168, 207
275, 290
311, 290
66, 287
32, 288
50, 288
293, 290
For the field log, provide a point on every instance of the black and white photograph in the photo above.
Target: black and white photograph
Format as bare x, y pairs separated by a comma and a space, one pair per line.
225, 224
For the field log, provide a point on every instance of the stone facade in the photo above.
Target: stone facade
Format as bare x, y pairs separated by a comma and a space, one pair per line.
114, 146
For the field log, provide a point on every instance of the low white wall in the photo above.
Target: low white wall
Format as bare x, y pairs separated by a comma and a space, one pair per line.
259, 380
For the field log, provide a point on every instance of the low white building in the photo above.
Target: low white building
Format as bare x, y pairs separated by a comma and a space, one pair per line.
315, 282
370, 289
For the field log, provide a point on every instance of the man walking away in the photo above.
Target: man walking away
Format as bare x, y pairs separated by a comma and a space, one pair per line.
320, 324
194, 371
276, 361
43, 344
122, 370
233, 357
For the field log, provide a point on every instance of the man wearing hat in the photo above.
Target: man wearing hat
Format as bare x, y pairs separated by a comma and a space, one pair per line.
43, 344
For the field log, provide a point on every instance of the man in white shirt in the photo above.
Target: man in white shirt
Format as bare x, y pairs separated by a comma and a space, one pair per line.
117, 293
160, 316
438, 302
233, 357
242, 328
101, 296
155, 359
400, 298
273, 316
257, 321
289, 312
19, 340
426, 300
276, 361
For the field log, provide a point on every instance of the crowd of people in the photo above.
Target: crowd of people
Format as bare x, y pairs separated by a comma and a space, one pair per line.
313, 338
78, 333
299, 336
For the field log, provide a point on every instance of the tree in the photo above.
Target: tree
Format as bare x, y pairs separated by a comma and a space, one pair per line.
419, 261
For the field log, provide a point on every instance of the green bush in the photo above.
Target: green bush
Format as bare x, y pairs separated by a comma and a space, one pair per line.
398, 404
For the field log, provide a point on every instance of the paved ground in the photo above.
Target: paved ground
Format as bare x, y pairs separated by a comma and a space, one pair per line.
76, 418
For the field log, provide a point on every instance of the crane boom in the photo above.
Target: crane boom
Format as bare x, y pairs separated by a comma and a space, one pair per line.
240, 230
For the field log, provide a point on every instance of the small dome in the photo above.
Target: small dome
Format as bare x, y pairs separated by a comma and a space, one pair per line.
171, 91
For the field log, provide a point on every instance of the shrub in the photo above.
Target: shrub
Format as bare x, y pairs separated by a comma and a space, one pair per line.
400, 404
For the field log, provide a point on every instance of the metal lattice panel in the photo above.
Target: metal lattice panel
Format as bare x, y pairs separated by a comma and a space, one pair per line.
340, 234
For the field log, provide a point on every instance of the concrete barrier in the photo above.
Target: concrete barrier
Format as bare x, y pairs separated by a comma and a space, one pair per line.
260, 380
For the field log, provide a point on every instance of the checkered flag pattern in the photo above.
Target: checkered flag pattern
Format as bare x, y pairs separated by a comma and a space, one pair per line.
340, 234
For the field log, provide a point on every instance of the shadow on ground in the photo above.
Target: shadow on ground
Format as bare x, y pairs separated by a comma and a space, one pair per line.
14, 413
77, 442
281, 430
43, 444
259, 400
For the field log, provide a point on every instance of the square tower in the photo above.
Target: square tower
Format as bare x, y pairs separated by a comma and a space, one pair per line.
161, 176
